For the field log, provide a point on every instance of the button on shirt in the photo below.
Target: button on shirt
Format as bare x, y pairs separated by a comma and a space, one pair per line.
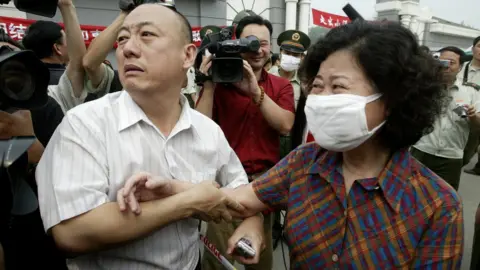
102, 143
451, 131
406, 218
249, 134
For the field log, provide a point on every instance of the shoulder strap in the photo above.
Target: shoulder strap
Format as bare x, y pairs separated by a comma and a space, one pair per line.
465, 78
465, 73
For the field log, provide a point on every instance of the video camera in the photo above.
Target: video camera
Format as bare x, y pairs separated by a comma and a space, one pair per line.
23, 85
46, 8
227, 63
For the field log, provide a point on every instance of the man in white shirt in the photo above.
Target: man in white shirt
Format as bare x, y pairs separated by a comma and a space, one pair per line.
442, 150
148, 127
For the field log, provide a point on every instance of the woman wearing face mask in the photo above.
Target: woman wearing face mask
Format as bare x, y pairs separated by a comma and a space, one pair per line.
356, 199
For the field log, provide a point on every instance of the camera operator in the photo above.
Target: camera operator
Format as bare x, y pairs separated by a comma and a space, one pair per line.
48, 41
252, 113
68, 85
25, 244
442, 150
102, 78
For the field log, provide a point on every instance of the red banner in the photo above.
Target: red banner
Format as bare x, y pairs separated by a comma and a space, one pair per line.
16, 29
328, 20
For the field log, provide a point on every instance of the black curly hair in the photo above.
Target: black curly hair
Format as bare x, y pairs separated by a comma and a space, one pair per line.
411, 81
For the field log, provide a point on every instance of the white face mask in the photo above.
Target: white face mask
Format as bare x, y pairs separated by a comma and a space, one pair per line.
338, 122
289, 63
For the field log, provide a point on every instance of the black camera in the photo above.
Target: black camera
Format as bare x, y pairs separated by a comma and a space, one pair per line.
46, 8
23, 80
227, 63
23, 85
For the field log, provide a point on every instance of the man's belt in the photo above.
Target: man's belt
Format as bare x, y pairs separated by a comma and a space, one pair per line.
253, 177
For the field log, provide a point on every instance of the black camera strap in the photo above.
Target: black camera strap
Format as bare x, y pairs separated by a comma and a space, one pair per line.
465, 78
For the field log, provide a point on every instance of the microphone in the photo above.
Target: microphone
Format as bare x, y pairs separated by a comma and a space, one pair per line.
352, 13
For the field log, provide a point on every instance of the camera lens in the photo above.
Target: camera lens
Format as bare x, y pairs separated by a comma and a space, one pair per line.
16, 81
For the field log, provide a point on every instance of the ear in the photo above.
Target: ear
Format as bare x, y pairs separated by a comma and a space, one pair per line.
56, 49
190, 55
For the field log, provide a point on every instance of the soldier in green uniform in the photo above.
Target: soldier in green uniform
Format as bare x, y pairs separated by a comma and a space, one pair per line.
293, 45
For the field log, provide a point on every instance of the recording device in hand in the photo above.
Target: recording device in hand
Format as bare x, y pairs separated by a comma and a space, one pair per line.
352, 13
244, 248
227, 62
23, 86
461, 111
46, 8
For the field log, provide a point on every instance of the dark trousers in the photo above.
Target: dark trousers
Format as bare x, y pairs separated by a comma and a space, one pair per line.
471, 149
448, 169
475, 263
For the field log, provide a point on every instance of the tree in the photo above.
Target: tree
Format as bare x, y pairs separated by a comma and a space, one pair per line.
317, 32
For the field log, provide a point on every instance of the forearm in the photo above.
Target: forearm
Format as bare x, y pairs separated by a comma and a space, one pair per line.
205, 103
106, 226
76, 47
475, 122
2, 258
279, 119
99, 49
35, 152
245, 195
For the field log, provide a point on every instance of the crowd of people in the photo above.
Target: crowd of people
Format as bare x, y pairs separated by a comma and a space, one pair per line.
360, 136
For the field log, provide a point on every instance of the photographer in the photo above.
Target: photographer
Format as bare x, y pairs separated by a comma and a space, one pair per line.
48, 41
442, 150
23, 235
252, 113
103, 78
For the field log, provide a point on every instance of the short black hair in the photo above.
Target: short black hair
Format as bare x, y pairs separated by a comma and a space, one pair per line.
455, 50
475, 41
275, 58
41, 36
411, 82
186, 27
254, 19
4, 37
424, 48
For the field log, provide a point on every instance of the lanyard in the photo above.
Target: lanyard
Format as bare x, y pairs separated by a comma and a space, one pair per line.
465, 78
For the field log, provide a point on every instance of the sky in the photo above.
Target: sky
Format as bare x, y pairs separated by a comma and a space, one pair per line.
452, 10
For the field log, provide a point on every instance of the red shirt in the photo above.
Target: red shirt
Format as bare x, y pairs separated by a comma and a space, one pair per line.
255, 142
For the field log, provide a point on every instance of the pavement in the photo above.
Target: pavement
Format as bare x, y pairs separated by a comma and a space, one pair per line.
469, 192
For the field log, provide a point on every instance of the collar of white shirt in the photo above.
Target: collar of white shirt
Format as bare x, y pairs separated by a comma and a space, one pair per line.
130, 114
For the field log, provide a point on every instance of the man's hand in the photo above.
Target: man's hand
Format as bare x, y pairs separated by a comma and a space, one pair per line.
127, 5
143, 187
211, 204
204, 68
249, 84
18, 123
471, 111
64, 2
251, 229
208, 202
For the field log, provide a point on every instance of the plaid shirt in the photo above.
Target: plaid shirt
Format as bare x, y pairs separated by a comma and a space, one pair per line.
407, 218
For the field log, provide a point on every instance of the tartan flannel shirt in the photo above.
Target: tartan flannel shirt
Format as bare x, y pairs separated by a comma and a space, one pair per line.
406, 218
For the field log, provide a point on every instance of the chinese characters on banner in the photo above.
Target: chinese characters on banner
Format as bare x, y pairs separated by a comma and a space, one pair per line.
328, 20
16, 29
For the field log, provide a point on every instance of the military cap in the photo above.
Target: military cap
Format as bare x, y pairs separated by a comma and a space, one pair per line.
209, 29
242, 14
293, 41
